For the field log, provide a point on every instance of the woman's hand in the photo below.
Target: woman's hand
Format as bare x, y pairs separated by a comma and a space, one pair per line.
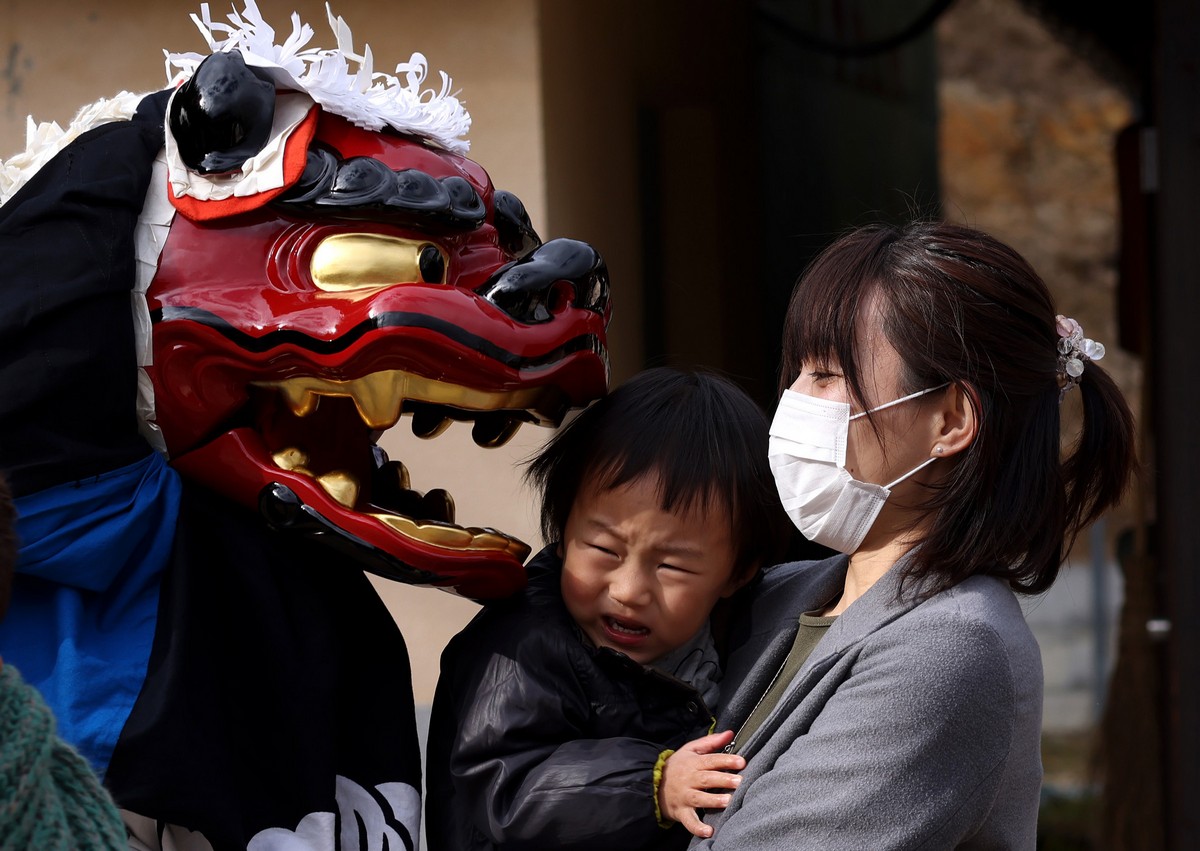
690, 773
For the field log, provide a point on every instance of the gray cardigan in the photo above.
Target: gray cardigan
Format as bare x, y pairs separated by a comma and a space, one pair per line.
910, 725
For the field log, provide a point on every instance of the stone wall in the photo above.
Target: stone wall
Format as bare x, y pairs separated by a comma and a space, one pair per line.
1027, 133
1026, 145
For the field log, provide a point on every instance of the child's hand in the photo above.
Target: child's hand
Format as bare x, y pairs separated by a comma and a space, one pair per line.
690, 772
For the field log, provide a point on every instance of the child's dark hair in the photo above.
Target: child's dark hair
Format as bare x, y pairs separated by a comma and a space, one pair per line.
8, 545
698, 434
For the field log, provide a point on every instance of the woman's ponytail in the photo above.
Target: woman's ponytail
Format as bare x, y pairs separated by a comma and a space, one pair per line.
1098, 469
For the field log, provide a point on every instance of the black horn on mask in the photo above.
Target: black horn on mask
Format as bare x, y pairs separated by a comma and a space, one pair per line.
222, 116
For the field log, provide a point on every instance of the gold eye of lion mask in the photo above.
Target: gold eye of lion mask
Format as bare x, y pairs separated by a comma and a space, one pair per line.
353, 261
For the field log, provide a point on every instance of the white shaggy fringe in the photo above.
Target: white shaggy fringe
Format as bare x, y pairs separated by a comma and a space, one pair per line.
43, 141
371, 99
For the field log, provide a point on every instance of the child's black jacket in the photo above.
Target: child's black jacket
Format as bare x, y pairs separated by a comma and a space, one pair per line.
538, 740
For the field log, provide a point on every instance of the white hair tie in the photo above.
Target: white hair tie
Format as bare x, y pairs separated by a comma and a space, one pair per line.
1074, 351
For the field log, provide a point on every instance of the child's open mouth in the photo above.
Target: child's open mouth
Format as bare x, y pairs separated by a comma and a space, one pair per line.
624, 631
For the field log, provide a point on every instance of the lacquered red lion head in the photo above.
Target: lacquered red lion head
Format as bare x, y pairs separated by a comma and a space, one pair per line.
382, 278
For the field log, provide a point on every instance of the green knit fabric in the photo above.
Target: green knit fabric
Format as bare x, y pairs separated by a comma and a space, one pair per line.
50, 799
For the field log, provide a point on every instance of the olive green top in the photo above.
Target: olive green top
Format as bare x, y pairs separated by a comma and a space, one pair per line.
811, 630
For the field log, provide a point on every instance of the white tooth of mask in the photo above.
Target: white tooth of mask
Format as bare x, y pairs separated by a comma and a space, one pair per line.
807, 453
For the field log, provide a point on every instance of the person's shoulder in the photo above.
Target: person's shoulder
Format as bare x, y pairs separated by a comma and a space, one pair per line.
990, 600
792, 571
977, 623
978, 602
543, 581
541, 591
776, 597
782, 582
533, 621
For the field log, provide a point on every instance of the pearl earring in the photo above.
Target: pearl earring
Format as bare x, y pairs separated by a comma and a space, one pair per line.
938, 450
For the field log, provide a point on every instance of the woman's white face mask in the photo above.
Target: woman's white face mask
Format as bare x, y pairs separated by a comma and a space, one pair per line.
807, 453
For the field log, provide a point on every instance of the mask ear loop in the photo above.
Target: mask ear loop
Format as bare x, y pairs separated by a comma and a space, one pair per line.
899, 401
913, 471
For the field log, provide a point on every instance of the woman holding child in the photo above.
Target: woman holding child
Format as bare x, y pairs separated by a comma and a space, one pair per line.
886, 698
891, 697
577, 715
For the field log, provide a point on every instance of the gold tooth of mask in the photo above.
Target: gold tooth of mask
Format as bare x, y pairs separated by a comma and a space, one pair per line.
375, 396
455, 537
379, 396
291, 458
340, 485
343, 488
299, 399
447, 536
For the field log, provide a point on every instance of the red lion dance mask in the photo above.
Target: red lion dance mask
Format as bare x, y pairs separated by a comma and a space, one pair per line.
382, 278
311, 259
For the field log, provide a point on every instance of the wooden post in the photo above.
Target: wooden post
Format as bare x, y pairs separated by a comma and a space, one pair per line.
1175, 383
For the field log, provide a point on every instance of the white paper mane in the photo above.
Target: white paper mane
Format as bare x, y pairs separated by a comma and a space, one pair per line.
371, 99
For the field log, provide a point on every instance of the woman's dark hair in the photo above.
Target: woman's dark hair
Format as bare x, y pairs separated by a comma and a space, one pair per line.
961, 307
699, 435
8, 545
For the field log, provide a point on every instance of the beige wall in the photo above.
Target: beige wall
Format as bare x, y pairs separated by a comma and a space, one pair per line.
588, 55
65, 53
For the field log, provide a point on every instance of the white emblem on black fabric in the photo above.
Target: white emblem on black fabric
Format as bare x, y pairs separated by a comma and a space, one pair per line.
387, 818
